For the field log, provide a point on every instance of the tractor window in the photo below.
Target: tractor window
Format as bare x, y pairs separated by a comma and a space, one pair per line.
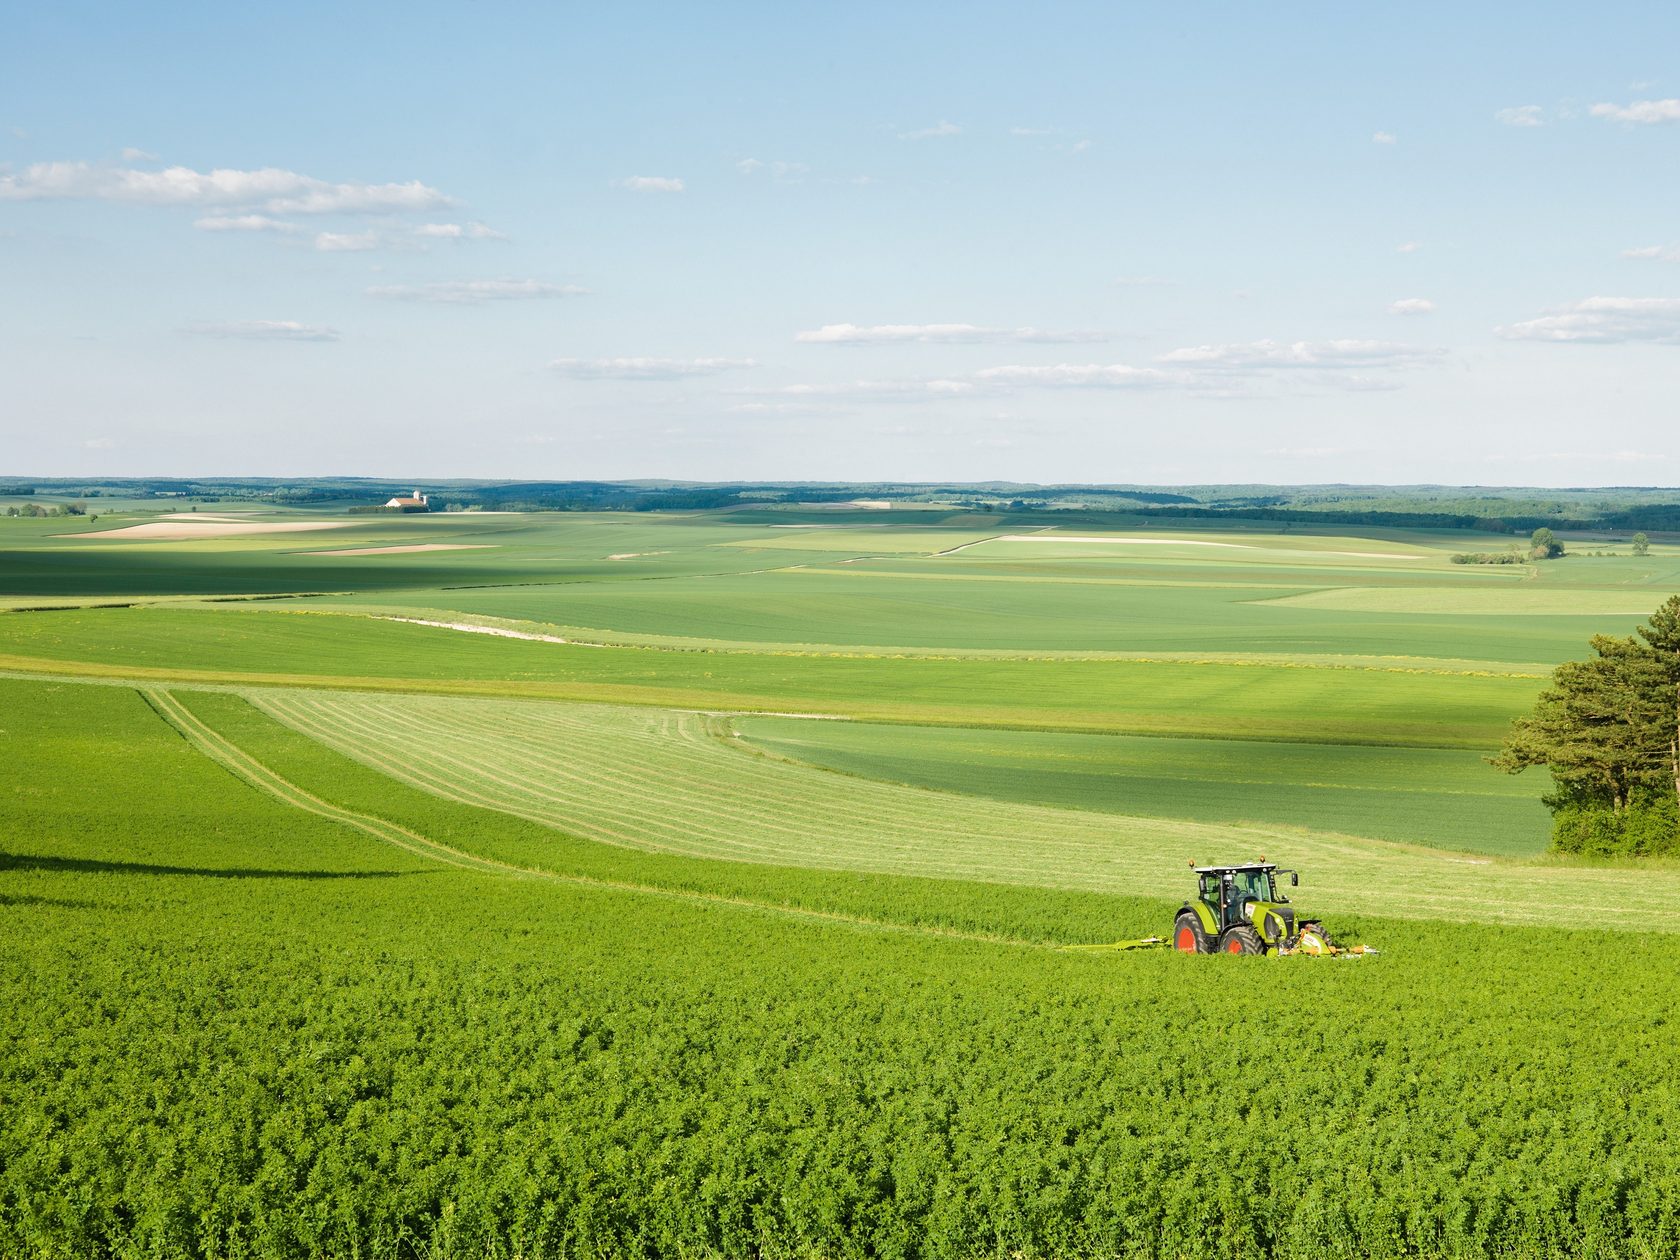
1254, 885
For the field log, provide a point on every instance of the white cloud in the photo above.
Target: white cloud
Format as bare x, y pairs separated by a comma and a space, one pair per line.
1384, 137
895, 390
938, 130
882, 334
1411, 306
139, 155
277, 191
346, 242
781, 170
96, 444
646, 369
460, 232
244, 223
1358, 384
1521, 116
1408, 247
1603, 321
1657, 253
1643, 113
1077, 375
1268, 355
1227, 370
652, 183
266, 330
1583, 457
475, 292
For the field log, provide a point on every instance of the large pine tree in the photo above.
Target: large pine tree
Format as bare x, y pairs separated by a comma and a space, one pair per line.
1662, 635
1608, 728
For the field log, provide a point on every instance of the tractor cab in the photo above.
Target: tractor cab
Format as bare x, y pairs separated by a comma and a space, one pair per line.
1226, 890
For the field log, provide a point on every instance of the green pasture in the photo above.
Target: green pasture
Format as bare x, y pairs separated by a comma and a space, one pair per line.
235, 1028
856, 608
1526, 601
244, 643
72, 557
1440, 797
1191, 546
704, 580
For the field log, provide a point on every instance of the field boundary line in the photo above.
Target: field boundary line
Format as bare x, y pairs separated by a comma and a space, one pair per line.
254, 773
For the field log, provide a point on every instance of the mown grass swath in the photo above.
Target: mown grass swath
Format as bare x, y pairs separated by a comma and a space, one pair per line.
670, 782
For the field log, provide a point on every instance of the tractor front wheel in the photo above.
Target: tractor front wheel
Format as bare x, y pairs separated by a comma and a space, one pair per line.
1188, 937
1241, 940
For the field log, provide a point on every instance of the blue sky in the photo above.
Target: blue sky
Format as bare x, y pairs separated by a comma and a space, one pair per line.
1065, 242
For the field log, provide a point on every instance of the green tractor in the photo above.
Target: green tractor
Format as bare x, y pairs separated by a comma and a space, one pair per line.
1240, 910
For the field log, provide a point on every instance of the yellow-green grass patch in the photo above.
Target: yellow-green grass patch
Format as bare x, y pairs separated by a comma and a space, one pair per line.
1527, 601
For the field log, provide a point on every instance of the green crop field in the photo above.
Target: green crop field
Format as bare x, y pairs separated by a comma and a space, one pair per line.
1435, 796
704, 883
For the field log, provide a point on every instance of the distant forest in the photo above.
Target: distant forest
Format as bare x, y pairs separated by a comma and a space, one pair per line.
1516, 510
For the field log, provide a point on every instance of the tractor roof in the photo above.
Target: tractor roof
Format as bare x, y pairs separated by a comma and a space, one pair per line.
1243, 866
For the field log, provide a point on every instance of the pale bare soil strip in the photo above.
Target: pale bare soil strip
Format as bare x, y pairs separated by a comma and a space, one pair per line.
674, 782
243, 766
178, 530
467, 627
399, 550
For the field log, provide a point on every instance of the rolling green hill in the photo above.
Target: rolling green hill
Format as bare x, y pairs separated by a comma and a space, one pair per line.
697, 885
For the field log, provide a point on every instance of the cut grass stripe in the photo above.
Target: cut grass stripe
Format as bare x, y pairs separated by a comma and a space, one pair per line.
259, 776
669, 782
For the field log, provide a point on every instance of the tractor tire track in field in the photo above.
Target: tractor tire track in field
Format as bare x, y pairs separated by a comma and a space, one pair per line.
255, 774
246, 767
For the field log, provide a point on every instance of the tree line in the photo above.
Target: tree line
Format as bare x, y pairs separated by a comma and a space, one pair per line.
1608, 729
46, 509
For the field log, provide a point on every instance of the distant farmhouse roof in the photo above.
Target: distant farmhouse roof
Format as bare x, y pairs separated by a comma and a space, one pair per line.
408, 503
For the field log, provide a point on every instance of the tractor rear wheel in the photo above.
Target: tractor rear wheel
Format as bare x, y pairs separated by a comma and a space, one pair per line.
1188, 937
1241, 940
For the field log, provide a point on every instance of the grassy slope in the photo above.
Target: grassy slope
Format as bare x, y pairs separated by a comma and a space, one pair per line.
1249, 701
678, 783
1441, 797
215, 1044
1016, 913
964, 601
